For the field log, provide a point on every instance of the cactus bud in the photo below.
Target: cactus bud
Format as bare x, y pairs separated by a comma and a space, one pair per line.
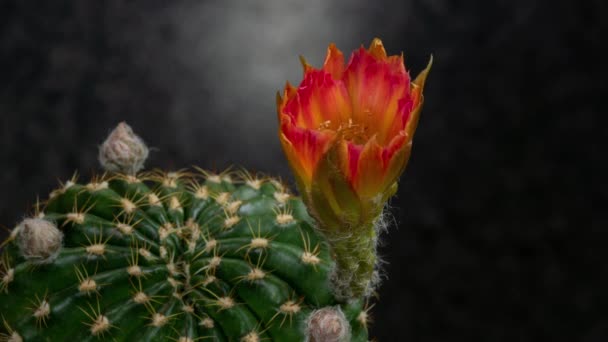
328, 325
38, 239
123, 151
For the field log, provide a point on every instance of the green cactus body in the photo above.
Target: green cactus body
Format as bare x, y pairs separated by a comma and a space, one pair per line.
172, 256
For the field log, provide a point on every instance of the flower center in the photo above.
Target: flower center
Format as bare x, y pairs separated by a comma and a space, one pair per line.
350, 131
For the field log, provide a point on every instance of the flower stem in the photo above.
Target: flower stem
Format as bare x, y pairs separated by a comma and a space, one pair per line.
355, 255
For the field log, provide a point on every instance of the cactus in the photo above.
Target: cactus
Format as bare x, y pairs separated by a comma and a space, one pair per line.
178, 255
166, 255
230, 256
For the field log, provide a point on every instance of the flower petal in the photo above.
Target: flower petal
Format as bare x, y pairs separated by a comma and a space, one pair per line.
303, 147
395, 157
288, 93
334, 62
319, 102
332, 193
376, 49
376, 85
417, 98
370, 168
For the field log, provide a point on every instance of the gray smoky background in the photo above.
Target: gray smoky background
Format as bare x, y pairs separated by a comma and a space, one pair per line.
227, 59
497, 232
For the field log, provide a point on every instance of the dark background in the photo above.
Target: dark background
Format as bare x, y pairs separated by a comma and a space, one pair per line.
497, 238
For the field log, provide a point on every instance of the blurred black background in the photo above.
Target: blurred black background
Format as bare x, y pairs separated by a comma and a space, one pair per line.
496, 235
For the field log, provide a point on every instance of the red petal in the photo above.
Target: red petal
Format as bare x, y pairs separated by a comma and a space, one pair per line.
376, 49
334, 62
304, 147
354, 153
371, 168
319, 101
375, 87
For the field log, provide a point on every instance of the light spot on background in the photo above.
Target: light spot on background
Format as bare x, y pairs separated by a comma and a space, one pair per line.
228, 59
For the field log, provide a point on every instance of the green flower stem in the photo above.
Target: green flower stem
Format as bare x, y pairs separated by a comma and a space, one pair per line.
355, 256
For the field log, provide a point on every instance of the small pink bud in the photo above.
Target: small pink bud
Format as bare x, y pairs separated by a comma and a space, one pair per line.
38, 239
123, 151
328, 325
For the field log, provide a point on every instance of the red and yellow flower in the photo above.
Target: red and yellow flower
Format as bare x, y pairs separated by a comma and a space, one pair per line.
347, 131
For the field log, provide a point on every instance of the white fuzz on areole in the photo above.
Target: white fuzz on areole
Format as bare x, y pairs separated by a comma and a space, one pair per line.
96, 186
195, 231
284, 219
163, 251
61, 190
9, 276
125, 228
135, 271
172, 269
258, 243
145, 253
154, 201
141, 298
174, 204
132, 179
214, 178
39, 240
255, 274
327, 325
77, 218
254, 183
170, 181
96, 249
158, 320
233, 207
100, 325
15, 337
222, 198
127, 205
214, 262
225, 303
209, 279
231, 221
310, 258
174, 283
43, 310
363, 318
281, 197
251, 337
185, 339
191, 246
163, 232
202, 193
207, 323
290, 307
87, 285
210, 245
55, 193
123, 151
188, 308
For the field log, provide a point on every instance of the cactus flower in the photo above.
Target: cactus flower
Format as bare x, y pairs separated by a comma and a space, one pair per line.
347, 133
